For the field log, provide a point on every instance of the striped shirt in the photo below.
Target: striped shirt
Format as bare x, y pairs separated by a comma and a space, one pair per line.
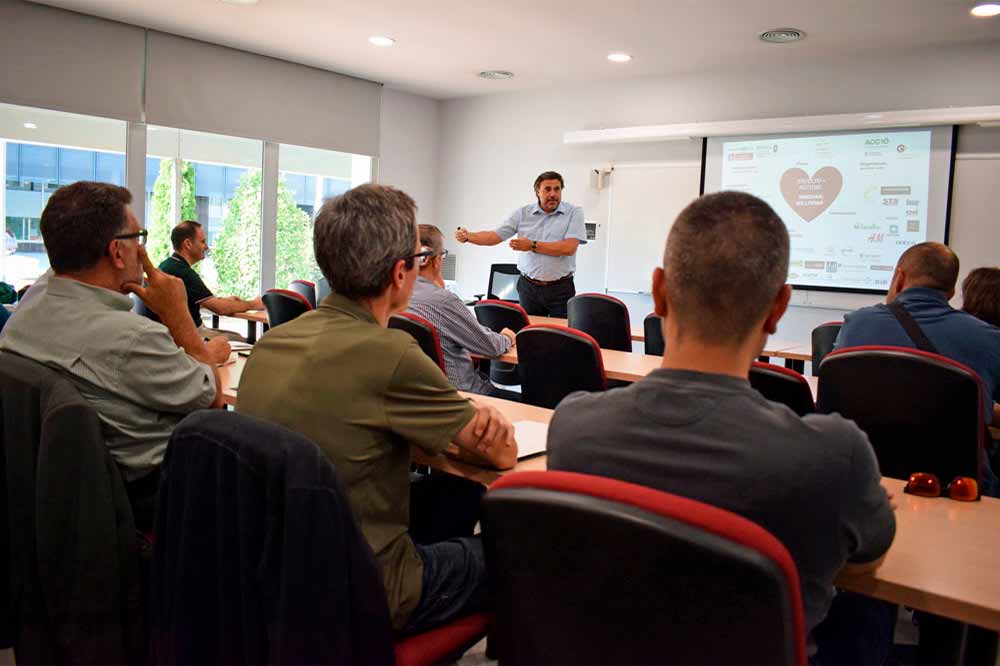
459, 332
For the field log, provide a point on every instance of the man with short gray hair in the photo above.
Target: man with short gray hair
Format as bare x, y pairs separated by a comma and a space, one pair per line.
365, 394
696, 428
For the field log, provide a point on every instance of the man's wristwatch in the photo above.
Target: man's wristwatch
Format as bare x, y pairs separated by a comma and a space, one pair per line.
534, 246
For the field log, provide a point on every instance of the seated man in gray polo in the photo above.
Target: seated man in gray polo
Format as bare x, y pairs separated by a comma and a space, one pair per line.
696, 428
458, 330
141, 377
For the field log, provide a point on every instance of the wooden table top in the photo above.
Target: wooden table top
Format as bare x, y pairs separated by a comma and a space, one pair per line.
941, 560
630, 366
629, 369
259, 316
795, 350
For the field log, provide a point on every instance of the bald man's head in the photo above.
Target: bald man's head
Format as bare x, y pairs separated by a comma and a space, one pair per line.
931, 265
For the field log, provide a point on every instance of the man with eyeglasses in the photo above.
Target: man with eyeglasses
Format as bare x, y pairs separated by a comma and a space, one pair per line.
458, 330
140, 376
366, 394
191, 246
696, 428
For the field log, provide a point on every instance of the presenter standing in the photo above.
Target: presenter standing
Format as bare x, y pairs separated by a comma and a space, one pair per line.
548, 234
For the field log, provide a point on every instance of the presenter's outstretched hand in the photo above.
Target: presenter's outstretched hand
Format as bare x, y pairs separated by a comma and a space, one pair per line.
520, 244
461, 235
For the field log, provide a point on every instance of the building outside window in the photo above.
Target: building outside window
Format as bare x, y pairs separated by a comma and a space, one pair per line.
41, 151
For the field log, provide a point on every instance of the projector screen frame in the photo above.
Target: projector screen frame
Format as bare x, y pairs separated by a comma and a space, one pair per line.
948, 193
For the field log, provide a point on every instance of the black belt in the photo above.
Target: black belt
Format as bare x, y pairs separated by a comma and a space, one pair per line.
546, 283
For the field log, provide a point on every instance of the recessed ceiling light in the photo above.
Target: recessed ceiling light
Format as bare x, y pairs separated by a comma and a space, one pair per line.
30, 126
241, 2
619, 57
781, 35
985, 9
380, 40
496, 74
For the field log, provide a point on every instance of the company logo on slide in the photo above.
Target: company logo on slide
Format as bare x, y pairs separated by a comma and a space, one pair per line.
884, 141
809, 197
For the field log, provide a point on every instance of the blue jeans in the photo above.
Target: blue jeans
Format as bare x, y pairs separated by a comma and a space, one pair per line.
454, 583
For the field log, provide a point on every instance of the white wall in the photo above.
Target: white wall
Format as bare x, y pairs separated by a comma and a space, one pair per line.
492, 147
410, 148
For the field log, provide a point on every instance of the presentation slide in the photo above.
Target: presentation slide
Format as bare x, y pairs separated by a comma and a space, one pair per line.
853, 202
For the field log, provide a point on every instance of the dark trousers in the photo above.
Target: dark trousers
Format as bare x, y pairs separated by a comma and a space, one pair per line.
142, 494
547, 300
856, 630
444, 510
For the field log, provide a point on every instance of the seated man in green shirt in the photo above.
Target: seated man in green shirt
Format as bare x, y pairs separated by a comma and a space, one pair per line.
190, 247
365, 394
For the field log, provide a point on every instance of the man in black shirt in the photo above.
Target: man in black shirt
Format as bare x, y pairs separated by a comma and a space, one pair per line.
190, 247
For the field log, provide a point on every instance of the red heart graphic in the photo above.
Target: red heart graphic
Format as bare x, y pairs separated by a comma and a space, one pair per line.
809, 197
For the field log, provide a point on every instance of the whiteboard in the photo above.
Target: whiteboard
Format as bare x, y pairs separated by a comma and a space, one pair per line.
644, 200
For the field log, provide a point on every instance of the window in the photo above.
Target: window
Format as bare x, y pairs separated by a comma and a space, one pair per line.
43, 150
307, 177
220, 187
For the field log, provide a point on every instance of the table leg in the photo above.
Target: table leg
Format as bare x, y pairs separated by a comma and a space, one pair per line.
797, 366
251, 331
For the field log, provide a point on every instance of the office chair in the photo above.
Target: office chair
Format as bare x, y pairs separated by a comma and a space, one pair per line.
779, 384
922, 412
497, 315
70, 583
278, 571
306, 289
652, 327
283, 305
592, 570
823, 337
555, 361
603, 317
503, 283
423, 332
322, 289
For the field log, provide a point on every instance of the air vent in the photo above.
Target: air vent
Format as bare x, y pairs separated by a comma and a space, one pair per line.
782, 36
448, 267
496, 74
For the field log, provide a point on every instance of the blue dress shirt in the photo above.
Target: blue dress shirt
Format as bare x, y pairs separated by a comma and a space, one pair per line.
533, 223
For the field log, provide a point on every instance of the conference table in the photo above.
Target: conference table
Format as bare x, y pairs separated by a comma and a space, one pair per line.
942, 559
631, 366
253, 317
795, 351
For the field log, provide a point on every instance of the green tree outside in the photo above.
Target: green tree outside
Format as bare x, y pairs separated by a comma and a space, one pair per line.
160, 221
237, 247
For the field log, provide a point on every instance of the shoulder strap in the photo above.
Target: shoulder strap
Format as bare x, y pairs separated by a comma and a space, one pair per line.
911, 327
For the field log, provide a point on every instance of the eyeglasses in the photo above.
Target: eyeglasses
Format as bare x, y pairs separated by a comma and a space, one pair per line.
142, 234
418, 255
961, 488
